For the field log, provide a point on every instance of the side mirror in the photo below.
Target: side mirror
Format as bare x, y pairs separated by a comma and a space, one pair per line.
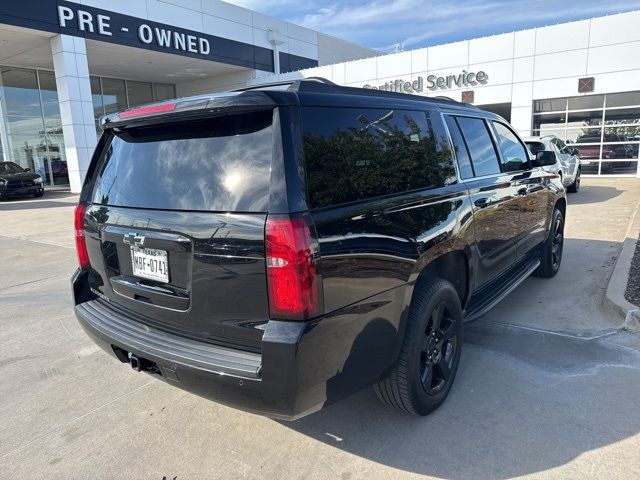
27, 169
575, 151
545, 158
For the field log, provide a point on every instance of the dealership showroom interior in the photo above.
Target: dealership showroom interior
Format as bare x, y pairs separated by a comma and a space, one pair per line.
260, 239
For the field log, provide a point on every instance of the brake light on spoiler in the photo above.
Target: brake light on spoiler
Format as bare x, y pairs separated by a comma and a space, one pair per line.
202, 103
148, 110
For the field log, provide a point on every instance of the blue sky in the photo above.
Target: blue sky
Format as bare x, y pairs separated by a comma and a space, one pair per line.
413, 23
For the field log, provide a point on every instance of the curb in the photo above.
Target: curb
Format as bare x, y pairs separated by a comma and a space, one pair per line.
614, 296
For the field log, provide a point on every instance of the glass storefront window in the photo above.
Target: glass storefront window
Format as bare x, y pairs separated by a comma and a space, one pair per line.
549, 124
584, 119
20, 92
623, 99
619, 168
573, 134
49, 95
586, 102
96, 97
23, 118
628, 132
32, 118
55, 158
139, 93
550, 105
163, 91
623, 116
114, 95
604, 128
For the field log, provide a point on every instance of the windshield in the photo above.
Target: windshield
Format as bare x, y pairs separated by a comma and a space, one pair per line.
10, 168
217, 164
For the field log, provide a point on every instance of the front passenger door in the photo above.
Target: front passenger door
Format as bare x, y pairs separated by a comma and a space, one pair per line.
530, 187
493, 197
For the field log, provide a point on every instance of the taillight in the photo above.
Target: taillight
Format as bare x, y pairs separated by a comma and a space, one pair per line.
81, 242
292, 274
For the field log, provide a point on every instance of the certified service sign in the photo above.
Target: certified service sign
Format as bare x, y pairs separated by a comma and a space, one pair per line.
433, 83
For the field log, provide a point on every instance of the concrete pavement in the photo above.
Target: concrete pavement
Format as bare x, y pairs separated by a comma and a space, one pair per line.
547, 387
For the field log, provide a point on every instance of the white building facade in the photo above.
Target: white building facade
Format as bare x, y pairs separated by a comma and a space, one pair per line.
65, 64
579, 81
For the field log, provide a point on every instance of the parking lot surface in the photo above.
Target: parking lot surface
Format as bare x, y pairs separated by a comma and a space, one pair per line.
548, 385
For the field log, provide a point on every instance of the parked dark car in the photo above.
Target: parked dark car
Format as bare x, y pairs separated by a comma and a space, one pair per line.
16, 181
279, 248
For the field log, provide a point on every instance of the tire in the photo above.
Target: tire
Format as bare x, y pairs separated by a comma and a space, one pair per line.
428, 361
38, 195
551, 256
575, 186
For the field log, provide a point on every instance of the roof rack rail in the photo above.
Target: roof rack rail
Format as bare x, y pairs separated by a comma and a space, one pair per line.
444, 97
320, 80
263, 85
286, 82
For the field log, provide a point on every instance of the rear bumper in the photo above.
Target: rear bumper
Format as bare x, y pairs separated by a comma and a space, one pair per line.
270, 383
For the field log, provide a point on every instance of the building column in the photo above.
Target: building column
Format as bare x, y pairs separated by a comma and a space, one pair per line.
76, 106
522, 107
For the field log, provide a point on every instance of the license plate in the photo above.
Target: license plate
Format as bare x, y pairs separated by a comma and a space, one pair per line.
585, 162
150, 263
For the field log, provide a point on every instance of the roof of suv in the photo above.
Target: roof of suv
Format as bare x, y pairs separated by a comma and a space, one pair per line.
310, 92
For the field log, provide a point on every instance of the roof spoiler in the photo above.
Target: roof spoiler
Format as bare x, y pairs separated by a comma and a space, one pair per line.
184, 108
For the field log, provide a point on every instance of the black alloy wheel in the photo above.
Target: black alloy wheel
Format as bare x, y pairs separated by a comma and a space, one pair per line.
551, 255
558, 242
438, 350
426, 367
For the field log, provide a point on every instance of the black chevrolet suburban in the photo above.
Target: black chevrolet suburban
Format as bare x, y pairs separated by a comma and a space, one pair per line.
281, 247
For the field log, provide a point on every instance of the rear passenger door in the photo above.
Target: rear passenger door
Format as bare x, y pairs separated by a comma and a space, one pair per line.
494, 196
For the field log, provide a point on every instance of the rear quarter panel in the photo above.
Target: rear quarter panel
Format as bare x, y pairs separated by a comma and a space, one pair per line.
371, 256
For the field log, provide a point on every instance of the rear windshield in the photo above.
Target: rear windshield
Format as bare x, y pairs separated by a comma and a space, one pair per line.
217, 164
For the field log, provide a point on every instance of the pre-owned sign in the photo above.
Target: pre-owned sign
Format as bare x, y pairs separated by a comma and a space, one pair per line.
70, 18
163, 37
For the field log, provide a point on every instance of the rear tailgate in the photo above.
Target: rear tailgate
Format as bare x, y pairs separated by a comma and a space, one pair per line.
175, 226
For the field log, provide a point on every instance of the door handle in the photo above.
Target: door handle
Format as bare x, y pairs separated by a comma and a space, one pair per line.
481, 203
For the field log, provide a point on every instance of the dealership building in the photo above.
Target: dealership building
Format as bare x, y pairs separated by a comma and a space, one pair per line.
65, 64
579, 81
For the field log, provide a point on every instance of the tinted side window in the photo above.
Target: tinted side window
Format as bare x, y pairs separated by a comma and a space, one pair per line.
483, 153
535, 147
562, 148
355, 154
462, 154
514, 155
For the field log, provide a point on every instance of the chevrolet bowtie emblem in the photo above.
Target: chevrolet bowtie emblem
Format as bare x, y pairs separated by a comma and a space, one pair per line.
133, 239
